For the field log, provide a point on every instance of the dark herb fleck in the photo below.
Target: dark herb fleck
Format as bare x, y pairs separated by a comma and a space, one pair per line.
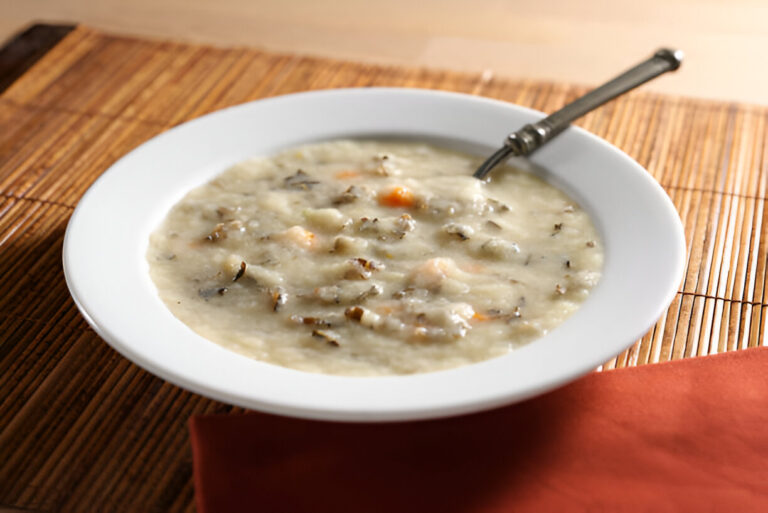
354, 313
279, 298
311, 321
591, 244
403, 293
325, 336
300, 180
348, 196
458, 230
217, 233
368, 265
375, 290
492, 224
361, 269
368, 224
240, 272
567, 264
222, 291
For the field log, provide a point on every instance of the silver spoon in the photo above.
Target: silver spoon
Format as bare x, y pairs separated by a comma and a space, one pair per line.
530, 137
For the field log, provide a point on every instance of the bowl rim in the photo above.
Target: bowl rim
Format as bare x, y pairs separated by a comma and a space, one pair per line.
289, 392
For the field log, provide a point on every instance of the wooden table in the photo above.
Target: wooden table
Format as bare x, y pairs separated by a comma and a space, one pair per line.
83, 429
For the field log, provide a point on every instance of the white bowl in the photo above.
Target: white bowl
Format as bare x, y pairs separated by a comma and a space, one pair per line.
107, 237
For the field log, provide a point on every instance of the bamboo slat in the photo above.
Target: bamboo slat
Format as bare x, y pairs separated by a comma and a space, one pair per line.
81, 428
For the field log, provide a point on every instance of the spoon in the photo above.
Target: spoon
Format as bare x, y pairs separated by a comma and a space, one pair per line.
531, 136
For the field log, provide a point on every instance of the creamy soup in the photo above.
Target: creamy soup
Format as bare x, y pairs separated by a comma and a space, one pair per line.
373, 258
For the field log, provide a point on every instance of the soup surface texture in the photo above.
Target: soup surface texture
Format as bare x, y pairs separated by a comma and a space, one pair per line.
373, 258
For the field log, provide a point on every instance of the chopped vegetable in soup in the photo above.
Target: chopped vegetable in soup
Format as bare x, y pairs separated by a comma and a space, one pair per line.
371, 258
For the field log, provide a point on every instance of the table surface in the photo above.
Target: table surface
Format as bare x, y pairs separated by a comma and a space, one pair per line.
577, 42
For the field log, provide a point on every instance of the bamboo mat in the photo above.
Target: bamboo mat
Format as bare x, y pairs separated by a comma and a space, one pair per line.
83, 429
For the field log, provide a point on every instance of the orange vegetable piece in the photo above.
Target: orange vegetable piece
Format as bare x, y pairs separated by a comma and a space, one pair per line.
346, 174
470, 267
384, 310
397, 197
297, 235
480, 317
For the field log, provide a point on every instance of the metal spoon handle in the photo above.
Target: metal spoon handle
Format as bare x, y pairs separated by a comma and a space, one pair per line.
531, 136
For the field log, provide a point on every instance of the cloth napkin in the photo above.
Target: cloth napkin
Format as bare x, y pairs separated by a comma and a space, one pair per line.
690, 435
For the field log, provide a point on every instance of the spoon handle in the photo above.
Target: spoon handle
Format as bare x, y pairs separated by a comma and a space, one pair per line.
531, 136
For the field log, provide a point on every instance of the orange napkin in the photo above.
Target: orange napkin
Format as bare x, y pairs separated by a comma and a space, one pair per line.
690, 435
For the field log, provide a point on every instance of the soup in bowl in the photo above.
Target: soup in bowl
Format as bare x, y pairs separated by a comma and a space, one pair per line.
610, 276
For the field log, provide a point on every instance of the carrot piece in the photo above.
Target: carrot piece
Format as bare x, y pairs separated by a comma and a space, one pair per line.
397, 197
477, 316
384, 310
470, 267
346, 174
297, 235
